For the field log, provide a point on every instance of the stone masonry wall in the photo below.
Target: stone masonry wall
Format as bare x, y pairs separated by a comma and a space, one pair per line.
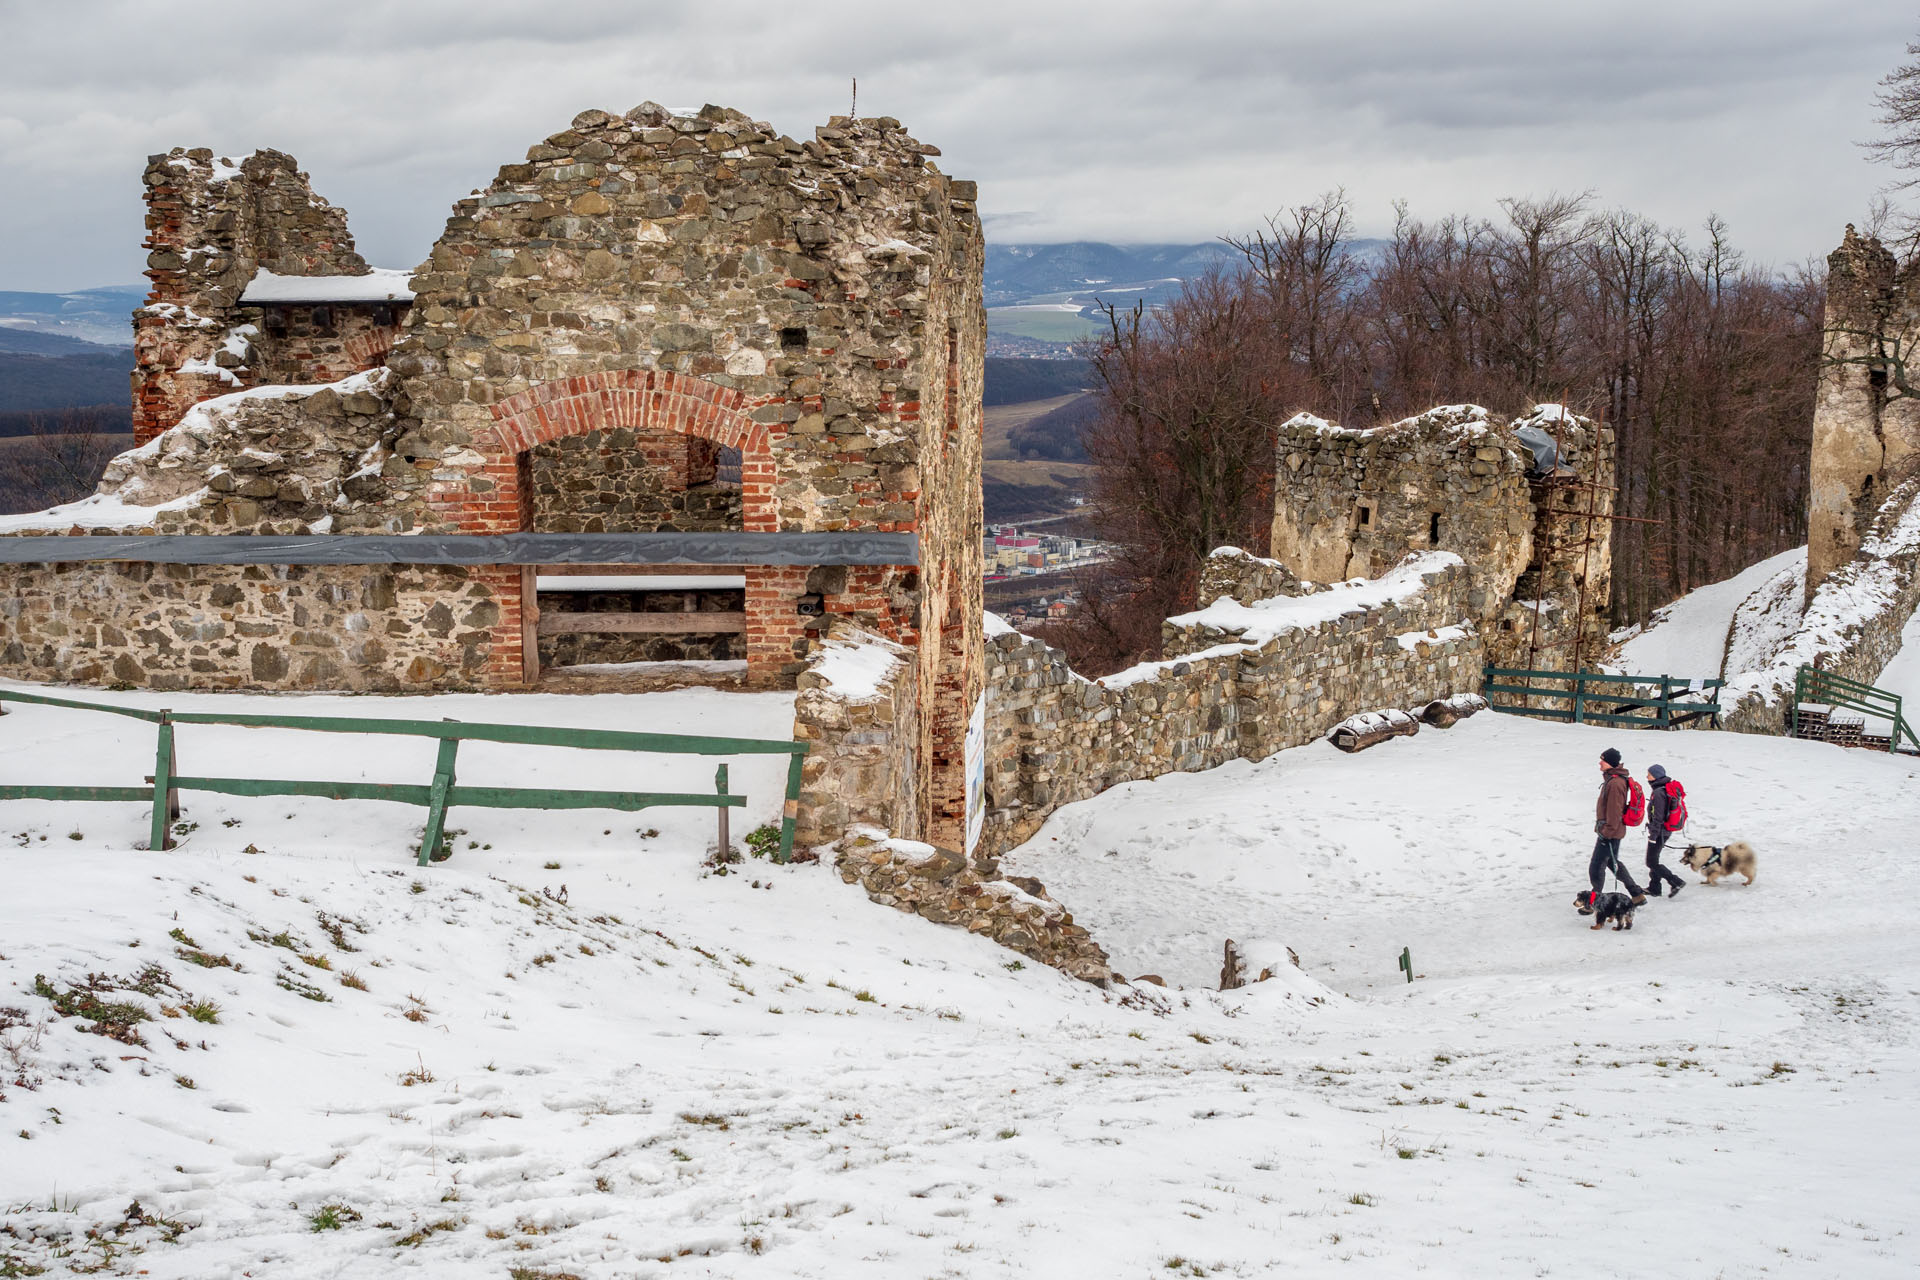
1350, 504
626, 481
375, 628
211, 224
1866, 424
858, 711
1054, 737
311, 344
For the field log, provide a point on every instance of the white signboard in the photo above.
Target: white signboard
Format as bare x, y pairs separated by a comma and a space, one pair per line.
975, 761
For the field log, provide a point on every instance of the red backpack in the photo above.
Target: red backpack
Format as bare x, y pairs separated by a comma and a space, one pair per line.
1677, 805
1636, 812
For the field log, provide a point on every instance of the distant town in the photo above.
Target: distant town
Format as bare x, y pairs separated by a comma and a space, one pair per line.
1031, 575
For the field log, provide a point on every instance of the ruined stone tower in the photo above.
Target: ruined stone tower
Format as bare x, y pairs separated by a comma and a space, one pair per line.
1866, 419
653, 323
1531, 532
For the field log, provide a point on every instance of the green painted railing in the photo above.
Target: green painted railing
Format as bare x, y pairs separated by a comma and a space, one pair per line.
1810, 684
439, 795
1628, 701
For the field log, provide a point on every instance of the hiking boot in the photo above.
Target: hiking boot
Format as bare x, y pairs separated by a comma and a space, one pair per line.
1639, 899
1674, 890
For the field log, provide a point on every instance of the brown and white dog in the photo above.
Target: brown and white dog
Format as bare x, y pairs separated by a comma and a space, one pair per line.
1715, 861
1617, 907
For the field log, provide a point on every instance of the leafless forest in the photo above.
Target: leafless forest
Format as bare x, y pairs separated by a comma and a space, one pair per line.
1703, 362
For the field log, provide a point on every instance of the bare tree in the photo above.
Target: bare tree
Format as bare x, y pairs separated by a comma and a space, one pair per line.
1899, 103
58, 459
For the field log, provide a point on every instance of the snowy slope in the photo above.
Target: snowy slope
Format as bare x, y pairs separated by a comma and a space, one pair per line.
1690, 636
673, 1073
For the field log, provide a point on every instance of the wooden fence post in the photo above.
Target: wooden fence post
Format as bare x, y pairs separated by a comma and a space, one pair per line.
1666, 709
437, 799
726, 836
1579, 698
166, 800
795, 766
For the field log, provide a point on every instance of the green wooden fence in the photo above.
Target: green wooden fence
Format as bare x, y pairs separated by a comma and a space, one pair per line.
1597, 697
1826, 688
439, 795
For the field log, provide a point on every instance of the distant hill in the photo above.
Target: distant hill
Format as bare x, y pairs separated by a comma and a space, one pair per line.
103, 316
94, 376
1015, 381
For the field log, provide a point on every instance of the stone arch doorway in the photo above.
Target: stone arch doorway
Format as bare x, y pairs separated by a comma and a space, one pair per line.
649, 412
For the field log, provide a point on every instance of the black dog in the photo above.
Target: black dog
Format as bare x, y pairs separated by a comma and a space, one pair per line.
1617, 907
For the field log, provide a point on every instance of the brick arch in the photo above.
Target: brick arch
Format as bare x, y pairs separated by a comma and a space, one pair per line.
367, 350
641, 399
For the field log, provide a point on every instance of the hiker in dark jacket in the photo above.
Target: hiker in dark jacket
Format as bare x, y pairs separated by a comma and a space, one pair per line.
1661, 802
1609, 825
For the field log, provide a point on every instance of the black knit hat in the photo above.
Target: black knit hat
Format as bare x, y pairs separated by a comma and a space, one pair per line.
1612, 758
1656, 771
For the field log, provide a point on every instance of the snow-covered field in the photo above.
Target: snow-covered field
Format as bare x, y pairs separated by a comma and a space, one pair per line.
672, 1073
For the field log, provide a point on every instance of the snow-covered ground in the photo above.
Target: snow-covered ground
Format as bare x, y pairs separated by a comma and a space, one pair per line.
672, 1073
1694, 636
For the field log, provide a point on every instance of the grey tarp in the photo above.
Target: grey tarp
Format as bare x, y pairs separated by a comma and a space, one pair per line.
506, 548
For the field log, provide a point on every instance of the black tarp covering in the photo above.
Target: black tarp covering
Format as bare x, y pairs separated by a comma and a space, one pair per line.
507, 548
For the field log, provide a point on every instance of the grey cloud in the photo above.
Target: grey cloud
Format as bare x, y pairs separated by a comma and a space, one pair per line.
1123, 121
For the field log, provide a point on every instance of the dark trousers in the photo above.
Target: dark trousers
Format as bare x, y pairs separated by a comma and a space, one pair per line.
1658, 875
1606, 853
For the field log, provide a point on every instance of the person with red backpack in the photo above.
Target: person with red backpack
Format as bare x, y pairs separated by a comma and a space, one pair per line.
1666, 814
1621, 805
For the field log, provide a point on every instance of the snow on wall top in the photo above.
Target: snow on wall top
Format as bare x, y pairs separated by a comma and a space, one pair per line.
1261, 621
381, 284
1467, 419
857, 670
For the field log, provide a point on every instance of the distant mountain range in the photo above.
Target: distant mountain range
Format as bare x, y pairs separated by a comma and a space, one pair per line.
100, 316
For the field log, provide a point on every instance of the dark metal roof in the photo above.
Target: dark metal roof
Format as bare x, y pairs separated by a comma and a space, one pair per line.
508, 548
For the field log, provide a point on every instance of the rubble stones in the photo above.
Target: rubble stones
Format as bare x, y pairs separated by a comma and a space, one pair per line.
938, 884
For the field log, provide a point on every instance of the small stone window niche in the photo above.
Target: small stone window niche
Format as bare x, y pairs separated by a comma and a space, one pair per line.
1433, 529
1363, 517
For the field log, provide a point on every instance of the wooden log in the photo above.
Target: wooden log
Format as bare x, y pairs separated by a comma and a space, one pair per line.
1357, 733
714, 623
1444, 713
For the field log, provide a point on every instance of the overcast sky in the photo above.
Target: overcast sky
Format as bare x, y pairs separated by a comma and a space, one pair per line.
1114, 120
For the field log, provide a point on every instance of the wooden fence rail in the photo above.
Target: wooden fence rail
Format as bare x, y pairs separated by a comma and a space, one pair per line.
1641, 702
439, 795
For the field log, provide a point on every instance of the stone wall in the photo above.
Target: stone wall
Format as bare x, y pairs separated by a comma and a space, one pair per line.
1351, 504
858, 711
1348, 503
941, 886
211, 224
1247, 680
1866, 423
626, 481
295, 345
375, 628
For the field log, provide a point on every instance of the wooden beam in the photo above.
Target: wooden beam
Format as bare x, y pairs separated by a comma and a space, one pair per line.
529, 625
573, 624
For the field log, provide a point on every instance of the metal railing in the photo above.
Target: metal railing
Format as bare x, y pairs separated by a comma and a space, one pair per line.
1827, 688
443, 792
1639, 702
